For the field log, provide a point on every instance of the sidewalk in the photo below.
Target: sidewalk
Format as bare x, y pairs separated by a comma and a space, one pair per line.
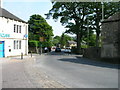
17, 73
14, 73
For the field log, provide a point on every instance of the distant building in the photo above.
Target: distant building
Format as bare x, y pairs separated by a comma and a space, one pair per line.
13, 35
71, 44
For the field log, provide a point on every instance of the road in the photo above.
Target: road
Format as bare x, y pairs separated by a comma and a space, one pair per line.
76, 72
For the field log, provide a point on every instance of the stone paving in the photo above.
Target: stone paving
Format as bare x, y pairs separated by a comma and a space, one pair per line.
17, 73
14, 74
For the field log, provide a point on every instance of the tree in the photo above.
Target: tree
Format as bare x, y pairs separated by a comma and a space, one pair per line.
56, 40
64, 39
78, 16
38, 27
57, 37
73, 15
110, 8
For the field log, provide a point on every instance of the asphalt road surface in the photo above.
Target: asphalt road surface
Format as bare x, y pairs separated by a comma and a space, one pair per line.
75, 72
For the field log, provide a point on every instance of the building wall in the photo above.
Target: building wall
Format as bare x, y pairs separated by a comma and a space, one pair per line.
72, 45
111, 38
9, 36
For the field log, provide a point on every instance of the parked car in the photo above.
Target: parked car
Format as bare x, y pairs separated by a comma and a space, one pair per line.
58, 49
67, 50
53, 47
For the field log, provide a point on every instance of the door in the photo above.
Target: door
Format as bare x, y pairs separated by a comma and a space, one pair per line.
1, 49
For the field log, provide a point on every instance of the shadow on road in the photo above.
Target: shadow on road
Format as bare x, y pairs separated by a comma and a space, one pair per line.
56, 53
89, 62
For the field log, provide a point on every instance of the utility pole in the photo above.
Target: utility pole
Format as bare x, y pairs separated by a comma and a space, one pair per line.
87, 32
102, 10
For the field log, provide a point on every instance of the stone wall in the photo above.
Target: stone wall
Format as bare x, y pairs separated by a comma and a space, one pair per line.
111, 37
92, 52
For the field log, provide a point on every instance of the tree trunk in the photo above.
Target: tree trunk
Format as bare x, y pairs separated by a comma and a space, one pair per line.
97, 40
37, 51
78, 43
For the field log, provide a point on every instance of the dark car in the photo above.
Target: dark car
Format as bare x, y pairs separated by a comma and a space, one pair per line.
58, 49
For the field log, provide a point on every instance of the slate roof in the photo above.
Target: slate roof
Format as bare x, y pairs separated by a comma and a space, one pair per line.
7, 14
72, 42
115, 17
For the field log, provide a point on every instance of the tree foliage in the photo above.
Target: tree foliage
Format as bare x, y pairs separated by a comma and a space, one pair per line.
73, 15
110, 8
56, 40
79, 16
62, 40
38, 27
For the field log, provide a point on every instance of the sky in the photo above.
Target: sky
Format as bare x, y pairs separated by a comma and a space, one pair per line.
25, 8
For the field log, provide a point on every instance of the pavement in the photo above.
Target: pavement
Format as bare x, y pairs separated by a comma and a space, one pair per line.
17, 73
14, 73
56, 70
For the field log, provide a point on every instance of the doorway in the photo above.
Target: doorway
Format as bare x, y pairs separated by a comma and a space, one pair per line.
1, 49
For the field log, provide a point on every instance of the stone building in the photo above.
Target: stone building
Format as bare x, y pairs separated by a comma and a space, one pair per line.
111, 37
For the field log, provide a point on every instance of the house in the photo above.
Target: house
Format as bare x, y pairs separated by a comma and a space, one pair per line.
71, 44
13, 35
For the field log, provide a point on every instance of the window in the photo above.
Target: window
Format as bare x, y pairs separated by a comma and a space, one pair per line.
14, 44
19, 29
17, 44
14, 28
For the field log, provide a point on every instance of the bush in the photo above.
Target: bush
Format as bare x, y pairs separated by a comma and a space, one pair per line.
47, 44
33, 43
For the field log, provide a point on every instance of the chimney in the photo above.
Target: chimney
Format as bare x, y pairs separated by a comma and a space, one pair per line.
0, 8
1, 3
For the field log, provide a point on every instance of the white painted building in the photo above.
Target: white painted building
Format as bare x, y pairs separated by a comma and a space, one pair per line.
13, 35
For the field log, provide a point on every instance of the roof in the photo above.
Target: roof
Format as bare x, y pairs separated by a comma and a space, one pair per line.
7, 14
115, 17
71, 42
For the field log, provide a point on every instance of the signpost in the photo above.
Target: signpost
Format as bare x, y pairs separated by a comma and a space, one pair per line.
42, 39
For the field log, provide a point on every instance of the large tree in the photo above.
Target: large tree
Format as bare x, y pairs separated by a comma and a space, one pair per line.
109, 8
79, 16
38, 27
73, 15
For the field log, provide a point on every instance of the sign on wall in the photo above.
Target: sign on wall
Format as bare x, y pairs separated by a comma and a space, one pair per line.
4, 35
26, 36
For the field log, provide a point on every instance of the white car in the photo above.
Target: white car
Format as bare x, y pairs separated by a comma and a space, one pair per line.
67, 50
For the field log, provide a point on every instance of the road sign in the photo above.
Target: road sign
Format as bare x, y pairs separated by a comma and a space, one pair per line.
42, 39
